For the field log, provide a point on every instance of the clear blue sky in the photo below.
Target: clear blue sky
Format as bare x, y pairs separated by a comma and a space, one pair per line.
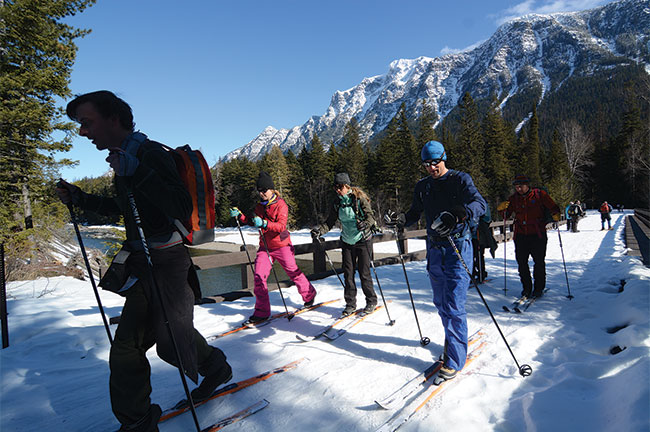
215, 73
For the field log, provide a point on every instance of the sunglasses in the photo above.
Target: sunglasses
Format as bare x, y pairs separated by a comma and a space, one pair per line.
262, 190
431, 163
339, 186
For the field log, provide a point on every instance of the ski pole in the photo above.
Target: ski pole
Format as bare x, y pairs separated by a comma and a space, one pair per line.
524, 370
179, 362
277, 281
423, 340
250, 262
320, 241
569, 296
372, 264
90, 273
505, 240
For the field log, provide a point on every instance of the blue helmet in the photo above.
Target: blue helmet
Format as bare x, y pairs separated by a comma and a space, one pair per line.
433, 150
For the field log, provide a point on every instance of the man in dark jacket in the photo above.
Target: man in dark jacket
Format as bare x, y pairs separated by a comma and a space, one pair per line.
145, 169
529, 206
449, 201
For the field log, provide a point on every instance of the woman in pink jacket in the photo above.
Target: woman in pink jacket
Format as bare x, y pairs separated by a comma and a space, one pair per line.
271, 219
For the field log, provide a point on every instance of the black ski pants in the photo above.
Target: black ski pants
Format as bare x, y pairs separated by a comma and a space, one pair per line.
357, 257
527, 245
138, 331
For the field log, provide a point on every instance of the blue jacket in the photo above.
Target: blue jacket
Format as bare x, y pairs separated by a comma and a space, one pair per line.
433, 196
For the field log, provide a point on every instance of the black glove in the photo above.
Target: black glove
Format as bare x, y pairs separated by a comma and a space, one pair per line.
362, 225
460, 212
69, 193
444, 224
394, 219
315, 233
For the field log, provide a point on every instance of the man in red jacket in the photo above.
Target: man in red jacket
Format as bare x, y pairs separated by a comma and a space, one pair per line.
529, 206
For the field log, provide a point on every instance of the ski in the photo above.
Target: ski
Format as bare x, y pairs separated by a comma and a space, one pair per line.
335, 333
268, 321
515, 304
395, 422
328, 327
258, 406
404, 393
183, 406
524, 307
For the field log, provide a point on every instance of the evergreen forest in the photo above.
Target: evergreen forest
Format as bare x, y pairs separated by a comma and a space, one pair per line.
587, 140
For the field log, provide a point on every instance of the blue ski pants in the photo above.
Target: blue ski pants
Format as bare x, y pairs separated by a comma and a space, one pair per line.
449, 281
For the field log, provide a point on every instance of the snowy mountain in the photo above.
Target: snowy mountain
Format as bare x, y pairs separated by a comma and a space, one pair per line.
531, 55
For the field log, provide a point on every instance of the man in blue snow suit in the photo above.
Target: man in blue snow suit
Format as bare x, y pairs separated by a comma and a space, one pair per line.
450, 201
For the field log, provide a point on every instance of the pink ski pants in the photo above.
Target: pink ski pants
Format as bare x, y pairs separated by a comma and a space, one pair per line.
285, 256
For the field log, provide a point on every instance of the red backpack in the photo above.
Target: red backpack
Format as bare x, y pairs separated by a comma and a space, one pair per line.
605, 208
195, 174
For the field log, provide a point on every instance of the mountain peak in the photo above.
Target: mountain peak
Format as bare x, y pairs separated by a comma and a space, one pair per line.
532, 51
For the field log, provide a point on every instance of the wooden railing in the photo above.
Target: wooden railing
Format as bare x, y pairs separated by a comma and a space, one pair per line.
318, 258
637, 234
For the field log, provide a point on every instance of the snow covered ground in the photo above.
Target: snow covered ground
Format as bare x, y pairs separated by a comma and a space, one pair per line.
55, 372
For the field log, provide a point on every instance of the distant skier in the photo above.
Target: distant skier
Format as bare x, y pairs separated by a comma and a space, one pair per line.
450, 201
569, 221
576, 213
482, 238
605, 210
528, 204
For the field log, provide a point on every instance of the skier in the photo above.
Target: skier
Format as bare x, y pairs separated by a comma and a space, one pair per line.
482, 238
352, 209
528, 205
575, 212
450, 202
147, 170
569, 221
270, 218
605, 210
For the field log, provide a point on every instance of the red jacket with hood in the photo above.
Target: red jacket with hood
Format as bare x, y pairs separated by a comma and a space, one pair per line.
529, 211
276, 212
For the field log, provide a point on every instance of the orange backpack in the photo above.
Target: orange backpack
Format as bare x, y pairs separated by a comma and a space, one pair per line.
195, 174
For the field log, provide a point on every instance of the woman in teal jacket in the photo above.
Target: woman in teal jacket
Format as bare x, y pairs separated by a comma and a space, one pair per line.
352, 209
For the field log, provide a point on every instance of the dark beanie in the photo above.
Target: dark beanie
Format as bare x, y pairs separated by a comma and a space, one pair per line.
520, 179
342, 178
264, 181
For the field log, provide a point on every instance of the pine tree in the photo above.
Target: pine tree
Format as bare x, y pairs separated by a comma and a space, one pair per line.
38, 52
470, 145
353, 157
559, 185
531, 154
316, 184
497, 170
334, 163
293, 188
275, 164
388, 169
634, 154
426, 120
236, 188
408, 158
